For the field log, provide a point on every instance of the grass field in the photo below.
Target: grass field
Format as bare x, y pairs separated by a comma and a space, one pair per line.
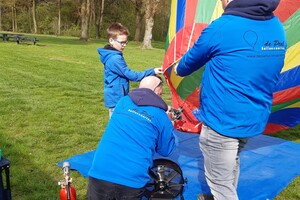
51, 108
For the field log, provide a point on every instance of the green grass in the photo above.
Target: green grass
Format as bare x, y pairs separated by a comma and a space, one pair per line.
51, 108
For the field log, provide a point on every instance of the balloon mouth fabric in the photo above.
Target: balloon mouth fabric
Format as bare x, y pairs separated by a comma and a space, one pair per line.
187, 21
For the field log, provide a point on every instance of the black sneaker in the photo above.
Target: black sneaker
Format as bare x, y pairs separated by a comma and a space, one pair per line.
205, 197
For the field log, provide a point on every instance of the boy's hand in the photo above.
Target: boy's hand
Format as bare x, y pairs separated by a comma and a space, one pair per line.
158, 70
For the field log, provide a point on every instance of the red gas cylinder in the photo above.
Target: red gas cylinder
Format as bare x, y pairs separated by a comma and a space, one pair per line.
64, 193
67, 192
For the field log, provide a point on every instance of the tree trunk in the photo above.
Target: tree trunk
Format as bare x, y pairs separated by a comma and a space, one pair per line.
165, 24
92, 19
14, 17
138, 19
0, 18
59, 16
101, 15
98, 22
85, 16
148, 33
34, 16
97, 11
151, 7
16, 22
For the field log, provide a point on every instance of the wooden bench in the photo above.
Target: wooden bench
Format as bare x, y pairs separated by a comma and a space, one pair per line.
19, 38
23, 38
5, 36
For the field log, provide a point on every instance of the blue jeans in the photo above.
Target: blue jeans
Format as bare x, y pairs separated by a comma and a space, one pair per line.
104, 190
221, 162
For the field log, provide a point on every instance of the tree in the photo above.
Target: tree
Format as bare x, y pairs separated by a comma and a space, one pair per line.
99, 17
0, 16
1, 5
34, 16
14, 17
59, 16
151, 8
81, 18
139, 14
85, 12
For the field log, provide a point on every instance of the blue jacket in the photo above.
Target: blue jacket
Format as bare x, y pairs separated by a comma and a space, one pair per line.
243, 52
138, 128
117, 75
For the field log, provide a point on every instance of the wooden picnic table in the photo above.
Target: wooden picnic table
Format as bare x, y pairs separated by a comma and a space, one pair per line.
18, 38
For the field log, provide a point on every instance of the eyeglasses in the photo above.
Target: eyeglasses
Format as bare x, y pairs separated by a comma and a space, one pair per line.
122, 43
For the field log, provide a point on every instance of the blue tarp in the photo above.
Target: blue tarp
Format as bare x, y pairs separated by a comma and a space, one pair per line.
268, 165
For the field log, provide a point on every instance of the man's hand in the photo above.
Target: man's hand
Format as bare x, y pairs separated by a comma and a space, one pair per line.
175, 68
175, 114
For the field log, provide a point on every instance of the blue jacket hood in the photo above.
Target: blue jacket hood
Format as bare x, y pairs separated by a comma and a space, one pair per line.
107, 52
146, 97
253, 9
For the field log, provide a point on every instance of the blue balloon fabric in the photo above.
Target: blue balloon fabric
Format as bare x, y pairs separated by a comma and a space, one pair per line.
268, 165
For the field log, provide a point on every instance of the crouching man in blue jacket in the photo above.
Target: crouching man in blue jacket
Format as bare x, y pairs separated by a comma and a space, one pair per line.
138, 128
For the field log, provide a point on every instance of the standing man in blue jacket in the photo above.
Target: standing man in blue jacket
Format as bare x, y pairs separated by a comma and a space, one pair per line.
116, 72
138, 128
243, 52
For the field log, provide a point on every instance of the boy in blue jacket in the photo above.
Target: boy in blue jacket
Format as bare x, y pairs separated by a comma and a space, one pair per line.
138, 128
243, 52
116, 72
